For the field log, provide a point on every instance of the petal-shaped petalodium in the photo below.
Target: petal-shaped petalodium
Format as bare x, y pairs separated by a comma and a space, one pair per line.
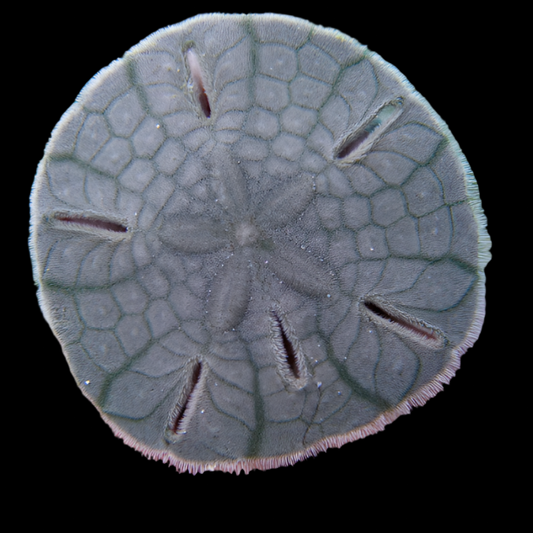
193, 235
300, 271
230, 292
284, 206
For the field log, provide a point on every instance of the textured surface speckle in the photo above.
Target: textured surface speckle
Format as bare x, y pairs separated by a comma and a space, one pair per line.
245, 224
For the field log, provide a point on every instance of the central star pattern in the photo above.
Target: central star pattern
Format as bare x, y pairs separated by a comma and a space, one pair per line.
238, 220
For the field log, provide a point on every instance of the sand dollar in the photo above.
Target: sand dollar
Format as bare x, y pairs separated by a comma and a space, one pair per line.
255, 240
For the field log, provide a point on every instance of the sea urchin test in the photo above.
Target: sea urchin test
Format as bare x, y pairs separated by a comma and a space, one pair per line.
255, 240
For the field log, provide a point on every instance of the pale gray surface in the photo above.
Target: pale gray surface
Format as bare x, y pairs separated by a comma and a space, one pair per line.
246, 231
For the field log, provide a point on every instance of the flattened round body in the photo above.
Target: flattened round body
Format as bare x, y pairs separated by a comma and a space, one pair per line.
255, 240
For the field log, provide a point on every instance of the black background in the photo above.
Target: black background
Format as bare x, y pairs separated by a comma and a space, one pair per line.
449, 448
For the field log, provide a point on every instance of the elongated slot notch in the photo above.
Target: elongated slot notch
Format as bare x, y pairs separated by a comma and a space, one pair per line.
288, 348
357, 144
403, 323
352, 145
288, 354
198, 81
177, 418
92, 222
